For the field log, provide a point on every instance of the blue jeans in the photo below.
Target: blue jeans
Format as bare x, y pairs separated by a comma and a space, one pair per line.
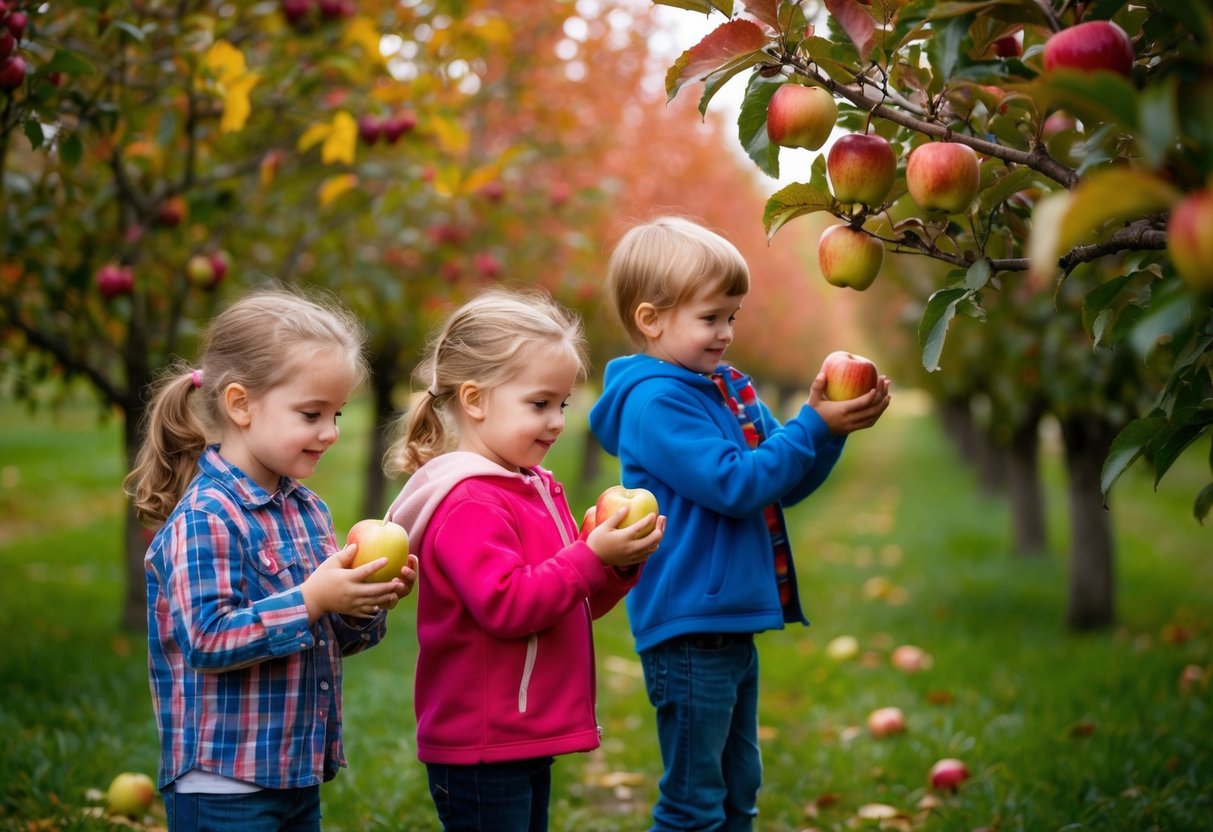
269, 810
492, 797
705, 690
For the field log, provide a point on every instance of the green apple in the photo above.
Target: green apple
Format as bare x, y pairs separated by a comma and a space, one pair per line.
130, 794
380, 539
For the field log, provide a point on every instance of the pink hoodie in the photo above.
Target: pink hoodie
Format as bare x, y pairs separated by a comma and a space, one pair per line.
505, 597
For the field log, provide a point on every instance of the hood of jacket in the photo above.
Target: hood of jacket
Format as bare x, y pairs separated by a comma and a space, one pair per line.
621, 377
426, 489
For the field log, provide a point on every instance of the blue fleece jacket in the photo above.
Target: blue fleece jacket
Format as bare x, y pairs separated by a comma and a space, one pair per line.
674, 435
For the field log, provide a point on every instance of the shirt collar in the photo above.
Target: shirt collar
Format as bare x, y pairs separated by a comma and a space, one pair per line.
242, 487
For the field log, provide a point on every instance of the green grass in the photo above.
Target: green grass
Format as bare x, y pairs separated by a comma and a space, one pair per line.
1061, 731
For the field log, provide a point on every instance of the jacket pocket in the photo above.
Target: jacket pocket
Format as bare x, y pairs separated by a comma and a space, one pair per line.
528, 668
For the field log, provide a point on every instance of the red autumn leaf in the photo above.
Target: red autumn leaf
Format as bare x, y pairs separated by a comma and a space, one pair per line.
728, 43
856, 22
764, 11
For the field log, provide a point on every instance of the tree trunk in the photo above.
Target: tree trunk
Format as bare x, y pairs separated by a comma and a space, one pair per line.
958, 426
135, 537
1025, 491
374, 493
1091, 604
991, 460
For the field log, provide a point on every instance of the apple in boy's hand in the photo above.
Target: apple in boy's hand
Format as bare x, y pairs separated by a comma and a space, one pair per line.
639, 502
380, 539
130, 794
848, 376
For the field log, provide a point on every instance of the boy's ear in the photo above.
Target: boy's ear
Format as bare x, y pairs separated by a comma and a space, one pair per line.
647, 318
235, 401
471, 400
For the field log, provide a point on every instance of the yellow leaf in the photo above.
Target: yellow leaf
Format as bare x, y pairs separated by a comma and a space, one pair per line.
313, 136
494, 31
333, 187
341, 141
1111, 196
1044, 238
236, 104
446, 181
452, 138
361, 31
225, 62
480, 177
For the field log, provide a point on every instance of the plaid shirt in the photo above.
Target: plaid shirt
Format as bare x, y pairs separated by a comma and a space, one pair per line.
241, 685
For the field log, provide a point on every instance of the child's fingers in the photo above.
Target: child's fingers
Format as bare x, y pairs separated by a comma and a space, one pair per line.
364, 571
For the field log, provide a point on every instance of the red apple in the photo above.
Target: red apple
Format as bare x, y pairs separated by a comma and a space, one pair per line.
397, 125
200, 271
488, 266
1190, 239
639, 502
220, 263
16, 24
911, 659
848, 376
884, 722
171, 212
113, 280
943, 176
8, 43
330, 9
1008, 46
370, 128
848, 257
559, 193
12, 72
493, 191
295, 11
380, 539
861, 168
1097, 45
130, 794
948, 774
800, 116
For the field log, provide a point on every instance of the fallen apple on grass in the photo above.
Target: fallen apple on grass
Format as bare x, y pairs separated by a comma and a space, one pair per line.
639, 502
380, 539
843, 648
130, 794
884, 722
848, 376
948, 773
911, 659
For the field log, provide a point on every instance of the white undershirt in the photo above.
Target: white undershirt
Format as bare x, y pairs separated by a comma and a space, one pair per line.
197, 781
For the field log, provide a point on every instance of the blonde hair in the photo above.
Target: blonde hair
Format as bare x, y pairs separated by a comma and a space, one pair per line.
484, 342
256, 342
667, 261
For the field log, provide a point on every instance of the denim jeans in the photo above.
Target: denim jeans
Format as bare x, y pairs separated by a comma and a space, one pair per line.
705, 690
269, 810
492, 797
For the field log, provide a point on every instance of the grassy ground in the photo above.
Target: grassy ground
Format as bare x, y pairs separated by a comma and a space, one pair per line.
1060, 731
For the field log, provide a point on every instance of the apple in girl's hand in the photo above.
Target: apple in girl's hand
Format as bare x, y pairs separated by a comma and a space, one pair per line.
948, 774
639, 502
848, 376
130, 794
380, 539
883, 722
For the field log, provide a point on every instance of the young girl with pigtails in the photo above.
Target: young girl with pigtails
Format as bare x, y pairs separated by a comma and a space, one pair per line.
250, 605
507, 590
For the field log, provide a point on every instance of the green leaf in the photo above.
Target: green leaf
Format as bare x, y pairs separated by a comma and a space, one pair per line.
1159, 120
1002, 188
752, 124
701, 6
1100, 298
791, 202
1128, 445
945, 47
933, 328
1187, 425
858, 24
68, 63
1204, 502
978, 274
71, 150
33, 132
1092, 97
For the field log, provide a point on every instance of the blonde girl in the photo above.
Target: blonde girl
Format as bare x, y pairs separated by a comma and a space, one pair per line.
249, 609
507, 593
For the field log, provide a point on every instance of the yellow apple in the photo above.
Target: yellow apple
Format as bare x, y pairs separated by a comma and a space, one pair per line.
639, 502
380, 539
130, 794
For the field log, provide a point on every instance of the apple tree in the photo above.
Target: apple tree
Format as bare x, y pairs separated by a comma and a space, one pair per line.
1058, 150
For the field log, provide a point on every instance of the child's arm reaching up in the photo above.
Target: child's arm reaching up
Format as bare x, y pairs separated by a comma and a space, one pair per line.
852, 415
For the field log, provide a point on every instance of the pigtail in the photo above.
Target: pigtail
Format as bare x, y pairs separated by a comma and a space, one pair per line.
173, 441
423, 436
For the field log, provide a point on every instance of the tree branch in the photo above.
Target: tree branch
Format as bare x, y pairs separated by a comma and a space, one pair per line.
1138, 236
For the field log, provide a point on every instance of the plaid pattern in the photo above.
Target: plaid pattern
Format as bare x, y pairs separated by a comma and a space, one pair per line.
739, 395
241, 685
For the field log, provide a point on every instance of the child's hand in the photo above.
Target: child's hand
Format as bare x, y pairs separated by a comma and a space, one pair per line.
620, 547
849, 416
336, 587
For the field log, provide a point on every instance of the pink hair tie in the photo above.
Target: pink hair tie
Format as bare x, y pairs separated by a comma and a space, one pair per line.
196, 377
